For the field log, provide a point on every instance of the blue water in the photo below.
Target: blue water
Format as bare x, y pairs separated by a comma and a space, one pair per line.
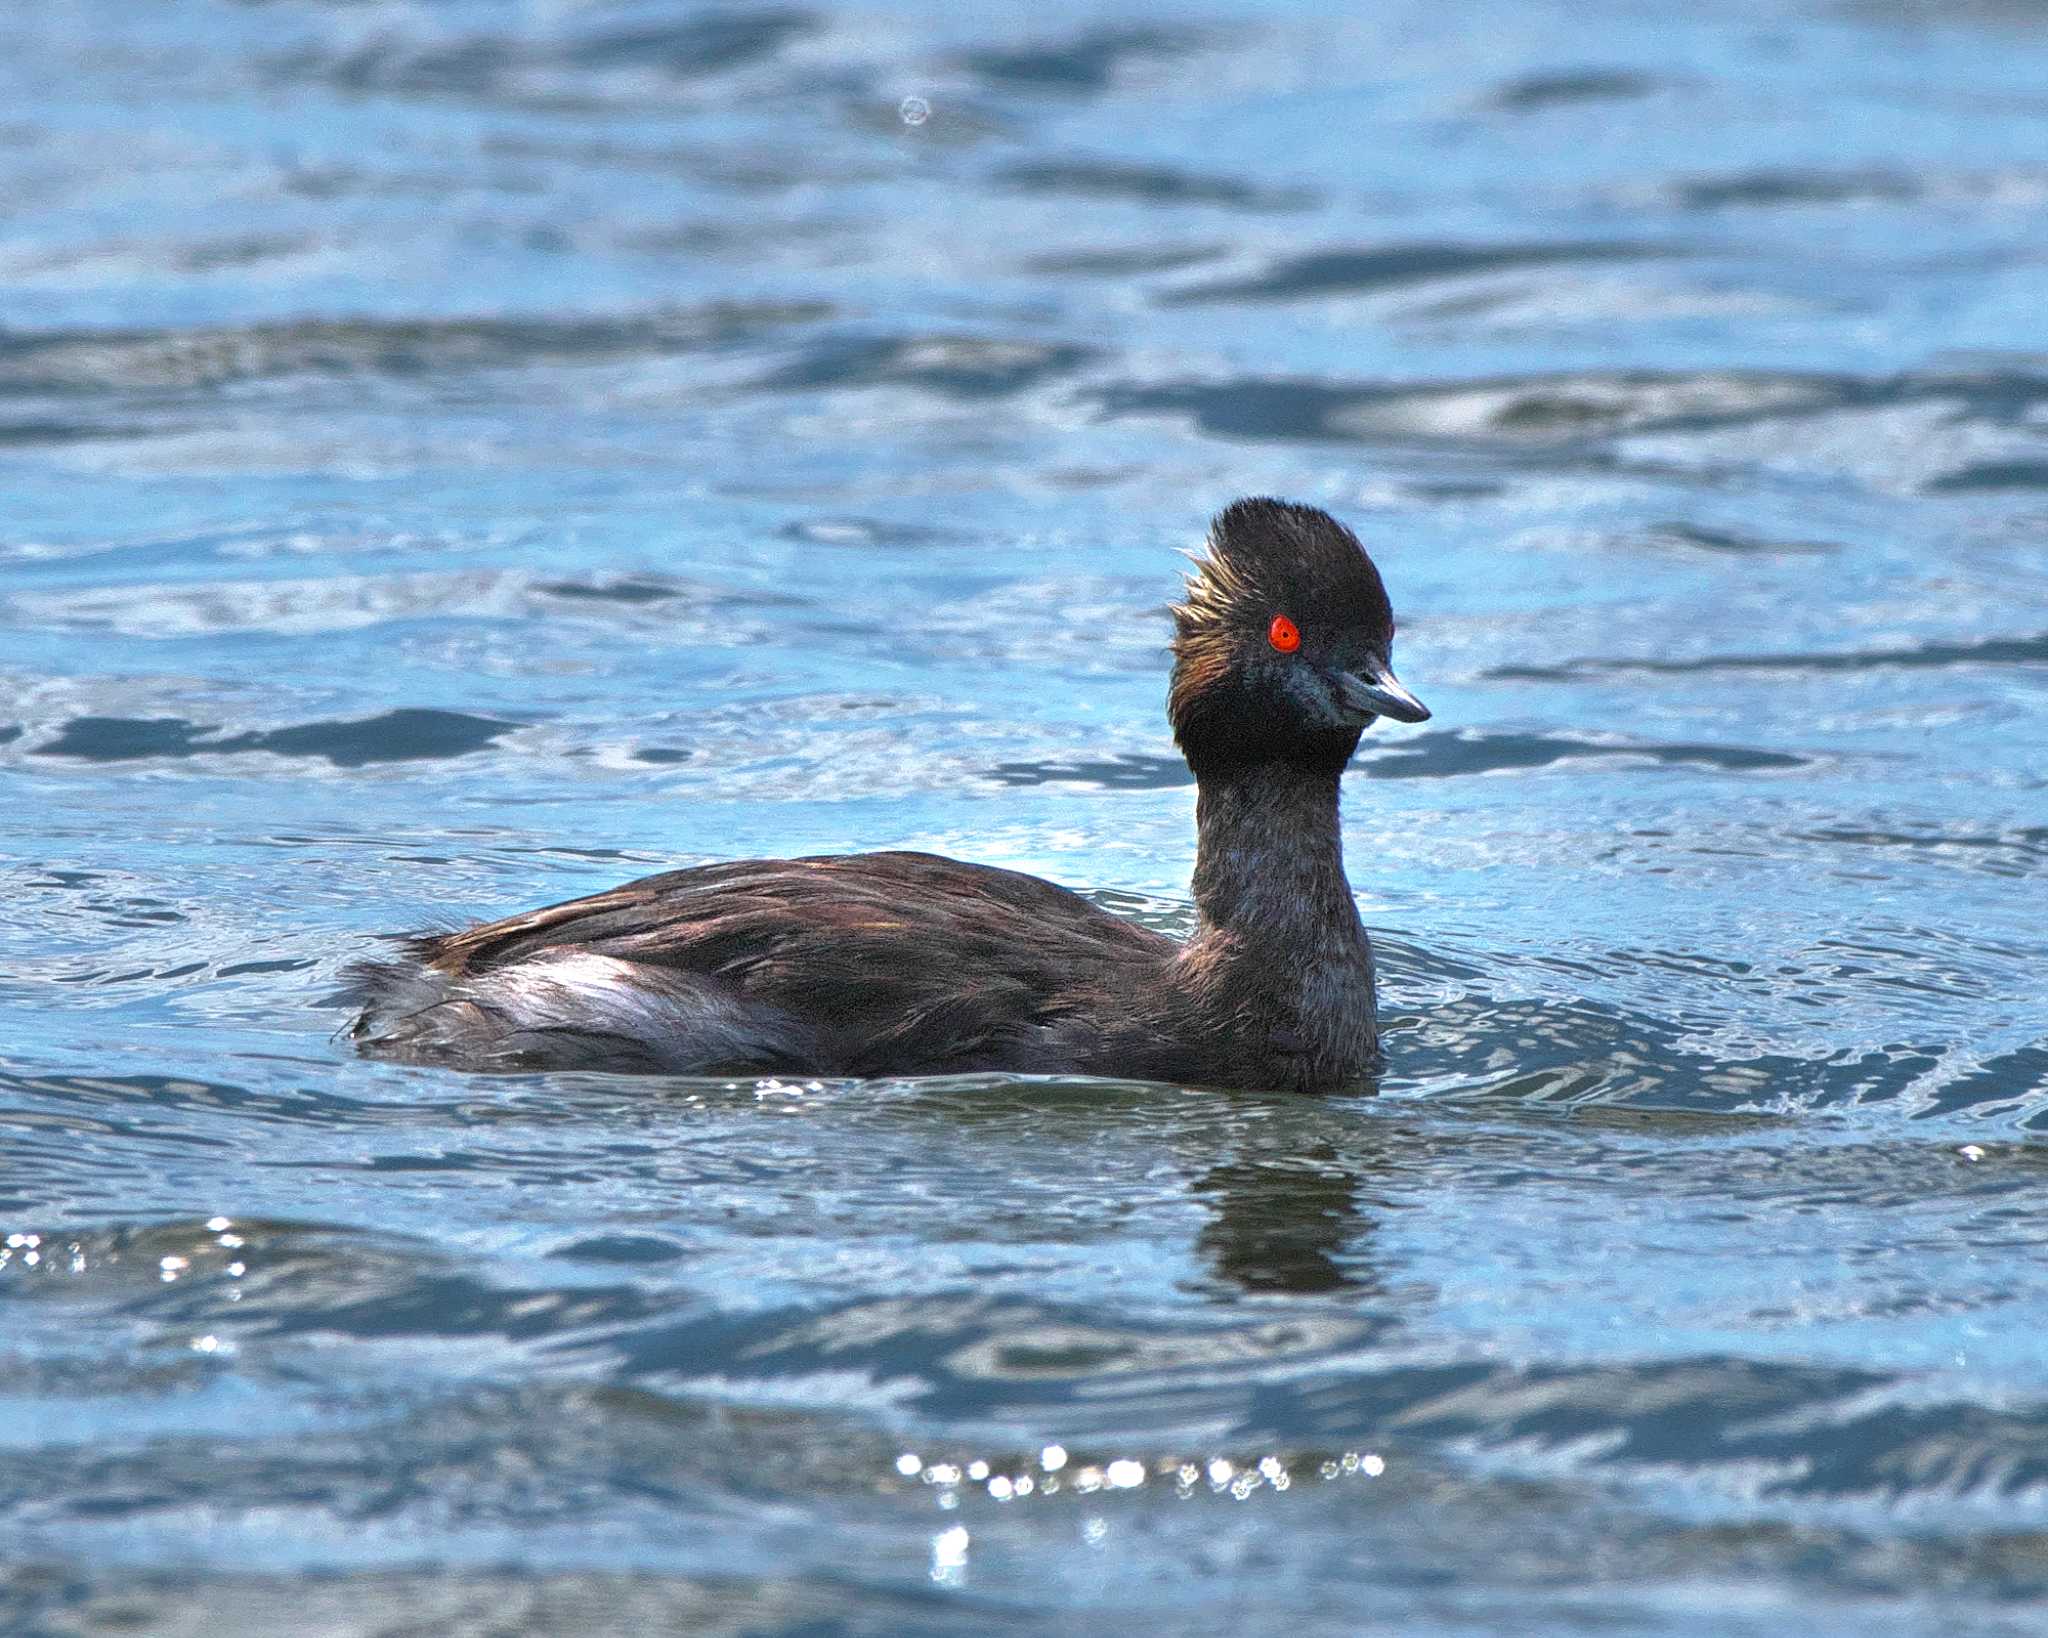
455, 457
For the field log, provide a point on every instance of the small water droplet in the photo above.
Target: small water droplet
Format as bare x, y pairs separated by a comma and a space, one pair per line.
914, 110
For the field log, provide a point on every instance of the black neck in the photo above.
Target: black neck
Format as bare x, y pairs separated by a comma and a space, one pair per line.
1269, 862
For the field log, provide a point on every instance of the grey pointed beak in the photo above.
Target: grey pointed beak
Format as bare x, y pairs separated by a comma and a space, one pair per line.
1374, 688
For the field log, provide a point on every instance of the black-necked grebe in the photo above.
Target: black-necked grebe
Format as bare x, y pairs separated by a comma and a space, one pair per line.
911, 964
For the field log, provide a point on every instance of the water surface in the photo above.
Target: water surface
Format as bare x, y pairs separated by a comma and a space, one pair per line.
457, 456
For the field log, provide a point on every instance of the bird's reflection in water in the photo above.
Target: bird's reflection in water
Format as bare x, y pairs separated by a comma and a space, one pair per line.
1288, 1221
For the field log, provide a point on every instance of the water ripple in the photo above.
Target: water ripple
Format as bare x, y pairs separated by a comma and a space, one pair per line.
545, 69
1348, 272
79, 362
1083, 63
1933, 656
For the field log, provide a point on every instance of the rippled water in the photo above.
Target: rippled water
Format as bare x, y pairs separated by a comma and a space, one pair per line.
459, 456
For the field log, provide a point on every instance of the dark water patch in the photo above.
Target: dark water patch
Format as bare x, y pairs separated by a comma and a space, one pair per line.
1147, 185
1565, 408
68, 879
1698, 537
29, 434
967, 367
82, 361
502, 66
408, 735
626, 1249
10, 732
1123, 262
236, 250
863, 532
1989, 476
650, 598
241, 969
1127, 771
1454, 490
127, 739
1391, 267
2022, 851
629, 590
1472, 751
1250, 408
1533, 93
461, 1161
1933, 656
707, 43
1422, 756
1557, 410
1768, 188
210, 255
2005, 1083
1088, 62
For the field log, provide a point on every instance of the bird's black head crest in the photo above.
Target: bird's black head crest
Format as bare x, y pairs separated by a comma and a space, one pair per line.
1283, 599
1269, 557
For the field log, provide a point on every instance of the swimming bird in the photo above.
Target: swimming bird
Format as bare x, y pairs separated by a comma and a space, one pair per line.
906, 963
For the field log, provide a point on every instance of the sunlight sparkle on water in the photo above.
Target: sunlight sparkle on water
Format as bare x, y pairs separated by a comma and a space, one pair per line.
949, 1556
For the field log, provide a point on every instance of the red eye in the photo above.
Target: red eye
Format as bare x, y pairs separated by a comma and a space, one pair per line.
1284, 634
